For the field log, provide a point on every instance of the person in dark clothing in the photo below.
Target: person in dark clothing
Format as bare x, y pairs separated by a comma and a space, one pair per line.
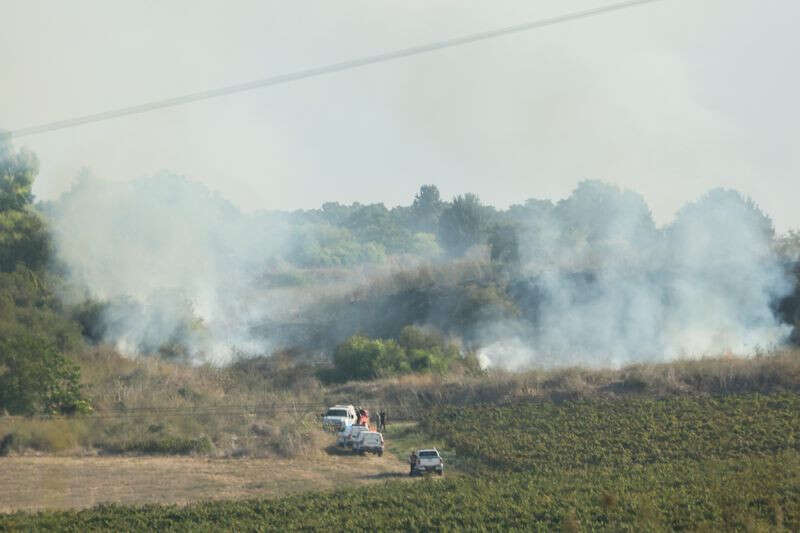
382, 420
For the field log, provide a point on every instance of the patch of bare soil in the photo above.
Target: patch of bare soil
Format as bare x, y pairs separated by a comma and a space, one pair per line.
33, 483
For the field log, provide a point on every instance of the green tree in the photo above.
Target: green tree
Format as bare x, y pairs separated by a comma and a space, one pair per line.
462, 224
17, 172
24, 240
723, 228
23, 235
28, 304
374, 223
336, 213
427, 208
35, 377
598, 212
504, 245
34, 330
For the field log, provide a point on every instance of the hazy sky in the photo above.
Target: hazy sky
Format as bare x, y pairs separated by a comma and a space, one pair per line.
669, 99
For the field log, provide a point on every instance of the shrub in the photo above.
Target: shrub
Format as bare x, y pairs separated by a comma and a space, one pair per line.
415, 350
34, 377
360, 357
322, 245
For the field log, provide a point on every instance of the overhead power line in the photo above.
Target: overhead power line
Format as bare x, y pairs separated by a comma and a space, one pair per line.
319, 71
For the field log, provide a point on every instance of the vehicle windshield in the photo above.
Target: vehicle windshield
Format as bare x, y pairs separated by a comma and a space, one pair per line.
428, 454
336, 412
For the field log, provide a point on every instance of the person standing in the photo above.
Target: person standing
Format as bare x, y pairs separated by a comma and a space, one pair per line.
382, 420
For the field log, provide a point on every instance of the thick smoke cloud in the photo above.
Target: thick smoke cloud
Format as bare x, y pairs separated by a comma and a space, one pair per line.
176, 263
613, 289
598, 283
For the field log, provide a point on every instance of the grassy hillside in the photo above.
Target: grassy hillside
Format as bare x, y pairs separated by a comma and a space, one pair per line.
270, 406
696, 463
154, 406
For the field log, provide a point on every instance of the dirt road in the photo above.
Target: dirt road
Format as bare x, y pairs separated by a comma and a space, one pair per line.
31, 483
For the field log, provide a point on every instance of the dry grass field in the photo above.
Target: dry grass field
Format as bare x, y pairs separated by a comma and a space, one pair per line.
50, 482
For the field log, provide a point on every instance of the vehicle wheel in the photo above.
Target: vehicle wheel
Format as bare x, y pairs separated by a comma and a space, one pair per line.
440, 472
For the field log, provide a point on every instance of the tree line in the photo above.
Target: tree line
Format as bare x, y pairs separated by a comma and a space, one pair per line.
36, 332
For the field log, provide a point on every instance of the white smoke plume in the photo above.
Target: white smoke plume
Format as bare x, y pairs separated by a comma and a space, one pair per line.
597, 283
614, 289
175, 262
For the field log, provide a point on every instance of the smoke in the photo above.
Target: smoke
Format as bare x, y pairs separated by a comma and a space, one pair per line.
184, 273
175, 263
612, 289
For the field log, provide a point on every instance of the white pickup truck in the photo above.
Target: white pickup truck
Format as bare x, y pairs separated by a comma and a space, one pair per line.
338, 417
368, 441
349, 434
422, 461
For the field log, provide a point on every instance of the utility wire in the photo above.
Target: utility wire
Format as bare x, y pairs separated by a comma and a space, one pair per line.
396, 409
319, 71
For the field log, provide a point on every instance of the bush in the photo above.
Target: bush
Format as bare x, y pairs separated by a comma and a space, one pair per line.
34, 377
360, 357
415, 350
328, 246
427, 350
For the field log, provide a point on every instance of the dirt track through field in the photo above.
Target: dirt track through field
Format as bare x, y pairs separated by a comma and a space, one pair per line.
32, 483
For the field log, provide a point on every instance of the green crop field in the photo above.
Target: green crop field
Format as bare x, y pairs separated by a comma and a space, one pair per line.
620, 433
638, 464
